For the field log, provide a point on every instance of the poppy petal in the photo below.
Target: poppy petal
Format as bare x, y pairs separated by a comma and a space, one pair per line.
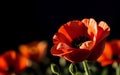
42, 49
56, 52
64, 32
10, 56
108, 50
106, 62
96, 51
87, 45
107, 56
3, 64
92, 27
61, 49
73, 29
58, 37
24, 51
115, 44
21, 63
78, 55
107, 53
103, 31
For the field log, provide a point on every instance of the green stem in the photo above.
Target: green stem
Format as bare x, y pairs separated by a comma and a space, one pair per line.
86, 68
118, 69
73, 69
55, 69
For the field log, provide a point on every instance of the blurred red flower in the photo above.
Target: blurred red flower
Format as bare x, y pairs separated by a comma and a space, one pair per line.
3, 64
111, 53
79, 40
13, 62
35, 51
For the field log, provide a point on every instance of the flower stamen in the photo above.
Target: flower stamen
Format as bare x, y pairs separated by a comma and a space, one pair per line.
76, 43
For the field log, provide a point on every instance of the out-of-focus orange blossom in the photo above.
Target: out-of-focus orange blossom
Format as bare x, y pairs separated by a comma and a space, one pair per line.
111, 53
12, 62
35, 51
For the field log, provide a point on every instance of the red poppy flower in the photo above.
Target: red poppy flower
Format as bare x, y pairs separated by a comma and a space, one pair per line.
35, 51
15, 62
111, 53
79, 40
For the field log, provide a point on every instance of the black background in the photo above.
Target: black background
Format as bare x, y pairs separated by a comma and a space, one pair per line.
26, 21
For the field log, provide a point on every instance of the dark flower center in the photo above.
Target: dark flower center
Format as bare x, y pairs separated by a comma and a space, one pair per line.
76, 43
115, 57
11, 69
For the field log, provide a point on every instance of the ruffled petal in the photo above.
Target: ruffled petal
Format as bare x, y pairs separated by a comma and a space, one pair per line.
106, 57
78, 55
58, 37
10, 56
96, 51
92, 27
88, 45
103, 31
73, 29
64, 32
60, 49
